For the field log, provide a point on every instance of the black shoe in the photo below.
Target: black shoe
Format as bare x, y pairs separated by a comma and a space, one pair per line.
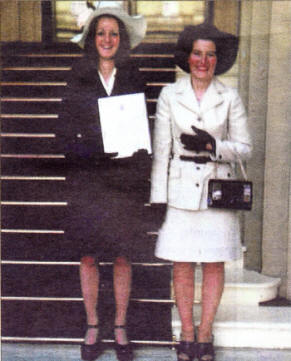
123, 352
186, 348
91, 352
205, 349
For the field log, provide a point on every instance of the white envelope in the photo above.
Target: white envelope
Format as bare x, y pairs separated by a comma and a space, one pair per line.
124, 124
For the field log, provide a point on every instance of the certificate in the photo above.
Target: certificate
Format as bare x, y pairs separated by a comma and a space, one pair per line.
124, 124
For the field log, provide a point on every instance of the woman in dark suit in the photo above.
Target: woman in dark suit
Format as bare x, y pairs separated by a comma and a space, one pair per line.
107, 194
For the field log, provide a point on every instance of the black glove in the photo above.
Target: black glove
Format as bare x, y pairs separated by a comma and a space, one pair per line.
158, 213
84, 150
199, 141
141, 156
104, 156
88, 160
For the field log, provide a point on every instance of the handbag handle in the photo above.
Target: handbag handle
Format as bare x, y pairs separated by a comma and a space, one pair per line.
242, 168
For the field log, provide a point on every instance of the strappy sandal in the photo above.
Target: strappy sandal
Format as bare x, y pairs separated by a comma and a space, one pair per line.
205, 349
123, 352
186, 348
91, 352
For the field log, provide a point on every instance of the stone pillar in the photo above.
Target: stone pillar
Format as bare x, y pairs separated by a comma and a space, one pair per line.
9, 20
253, 86
20, 20
278, 155
289, 246
226, 15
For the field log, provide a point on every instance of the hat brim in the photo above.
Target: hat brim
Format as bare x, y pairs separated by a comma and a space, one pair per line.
226, 46
135, 25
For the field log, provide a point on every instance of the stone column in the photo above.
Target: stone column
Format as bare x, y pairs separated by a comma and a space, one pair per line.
278, 155
289, 246
226, 15
20, 20
30, 21
9, 20
253, 86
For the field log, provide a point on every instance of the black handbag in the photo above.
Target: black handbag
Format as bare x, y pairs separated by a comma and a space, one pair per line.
230, 194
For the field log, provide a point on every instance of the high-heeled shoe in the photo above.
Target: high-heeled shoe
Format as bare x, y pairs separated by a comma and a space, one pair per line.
206, 349
186, 348
123, 352
93, 351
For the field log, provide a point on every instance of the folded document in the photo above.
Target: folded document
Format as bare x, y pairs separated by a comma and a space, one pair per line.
124, 124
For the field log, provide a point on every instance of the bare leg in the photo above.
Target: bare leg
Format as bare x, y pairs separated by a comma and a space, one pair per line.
183, 275
212, 289
89, 276
122, 275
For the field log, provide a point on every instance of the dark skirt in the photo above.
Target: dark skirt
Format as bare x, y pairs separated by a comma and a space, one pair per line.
106, 215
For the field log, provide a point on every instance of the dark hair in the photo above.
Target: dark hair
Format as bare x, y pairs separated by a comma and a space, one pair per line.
226, 46
123, 51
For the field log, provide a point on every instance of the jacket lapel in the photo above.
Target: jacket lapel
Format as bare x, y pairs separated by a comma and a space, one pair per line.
120, 83
99, 88
185, 95
213, 96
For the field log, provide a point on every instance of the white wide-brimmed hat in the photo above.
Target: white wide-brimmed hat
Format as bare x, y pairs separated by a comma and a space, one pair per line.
135, 25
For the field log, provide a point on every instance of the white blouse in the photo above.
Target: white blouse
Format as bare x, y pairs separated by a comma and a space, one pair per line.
108, 85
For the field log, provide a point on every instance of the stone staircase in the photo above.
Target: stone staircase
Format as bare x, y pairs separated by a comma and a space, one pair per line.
40, 296
245, 318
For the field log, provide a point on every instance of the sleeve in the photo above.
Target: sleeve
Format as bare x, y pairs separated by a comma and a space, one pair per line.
78, 129
162, 145
238, 143
64, 126
71, 105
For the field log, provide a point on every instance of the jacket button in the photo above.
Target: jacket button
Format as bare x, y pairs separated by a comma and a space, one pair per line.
79, 135
198, 168
220, 156
228, 174
199, 119
197, 184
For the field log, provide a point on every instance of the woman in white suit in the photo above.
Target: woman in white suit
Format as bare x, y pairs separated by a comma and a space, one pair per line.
200, 132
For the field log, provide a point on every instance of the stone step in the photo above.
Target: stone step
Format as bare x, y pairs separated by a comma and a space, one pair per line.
61, 352
250, 326
243, 287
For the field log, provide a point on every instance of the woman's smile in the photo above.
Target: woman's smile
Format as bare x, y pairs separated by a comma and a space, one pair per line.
202, 60
107, 38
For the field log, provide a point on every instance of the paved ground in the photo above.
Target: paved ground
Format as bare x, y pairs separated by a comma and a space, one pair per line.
52, 352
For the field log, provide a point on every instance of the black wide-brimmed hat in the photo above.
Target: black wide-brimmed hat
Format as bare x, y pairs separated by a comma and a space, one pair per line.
226, 46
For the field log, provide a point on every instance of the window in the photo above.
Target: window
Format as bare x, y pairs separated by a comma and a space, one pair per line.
165, 19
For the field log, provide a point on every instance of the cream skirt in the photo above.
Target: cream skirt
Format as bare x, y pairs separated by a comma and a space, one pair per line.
210, 235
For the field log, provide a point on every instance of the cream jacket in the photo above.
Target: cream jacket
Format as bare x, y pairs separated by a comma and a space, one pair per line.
184, 184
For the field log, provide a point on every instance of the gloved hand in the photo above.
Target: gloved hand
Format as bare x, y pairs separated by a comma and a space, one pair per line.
88, 160
158, 213
84, 150
104, 156
201, 141
141, 155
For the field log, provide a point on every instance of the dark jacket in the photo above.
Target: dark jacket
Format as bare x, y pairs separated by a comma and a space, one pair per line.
79, 125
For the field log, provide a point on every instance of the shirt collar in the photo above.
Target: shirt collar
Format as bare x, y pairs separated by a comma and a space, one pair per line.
109, 85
